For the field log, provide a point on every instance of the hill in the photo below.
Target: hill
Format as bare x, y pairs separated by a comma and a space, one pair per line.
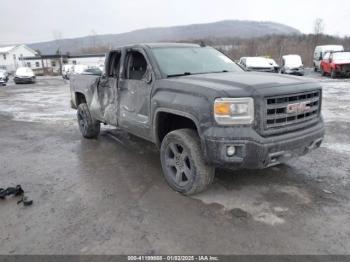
221, 29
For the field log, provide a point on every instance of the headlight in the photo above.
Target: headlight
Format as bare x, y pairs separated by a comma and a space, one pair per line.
232, 111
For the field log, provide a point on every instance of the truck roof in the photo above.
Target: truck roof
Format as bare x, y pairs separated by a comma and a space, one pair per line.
157, 45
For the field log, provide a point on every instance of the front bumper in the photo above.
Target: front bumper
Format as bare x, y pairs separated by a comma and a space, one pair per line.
254, 151
24, 80
295, 71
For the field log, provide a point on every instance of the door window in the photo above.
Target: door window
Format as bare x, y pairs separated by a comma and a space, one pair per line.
114, 65
136, 66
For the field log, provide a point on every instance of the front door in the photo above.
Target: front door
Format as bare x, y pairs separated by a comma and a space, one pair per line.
135, 88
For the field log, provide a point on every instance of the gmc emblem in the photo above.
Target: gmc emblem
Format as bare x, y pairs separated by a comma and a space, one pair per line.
298, 108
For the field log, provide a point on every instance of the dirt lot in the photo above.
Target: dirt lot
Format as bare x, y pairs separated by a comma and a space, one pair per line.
108, 196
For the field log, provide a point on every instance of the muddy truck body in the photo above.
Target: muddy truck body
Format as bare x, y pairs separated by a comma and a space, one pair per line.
200, 109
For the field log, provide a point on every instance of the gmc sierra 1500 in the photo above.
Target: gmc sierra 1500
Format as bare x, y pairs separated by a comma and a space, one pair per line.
201, 110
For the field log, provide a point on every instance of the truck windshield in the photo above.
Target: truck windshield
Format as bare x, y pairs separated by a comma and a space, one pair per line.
178, 61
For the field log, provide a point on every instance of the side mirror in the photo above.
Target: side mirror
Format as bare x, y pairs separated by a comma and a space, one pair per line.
148, 76
320, 58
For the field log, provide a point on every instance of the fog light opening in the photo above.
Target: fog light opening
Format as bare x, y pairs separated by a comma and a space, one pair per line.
230, 151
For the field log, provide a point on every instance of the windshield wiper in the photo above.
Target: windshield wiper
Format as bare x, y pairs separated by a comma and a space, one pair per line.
200, 73
215, 72
183, 74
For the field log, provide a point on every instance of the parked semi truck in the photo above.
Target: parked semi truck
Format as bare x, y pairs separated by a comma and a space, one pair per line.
200, 109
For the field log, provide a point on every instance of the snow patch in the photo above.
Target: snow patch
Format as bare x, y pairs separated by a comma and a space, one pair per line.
338, 147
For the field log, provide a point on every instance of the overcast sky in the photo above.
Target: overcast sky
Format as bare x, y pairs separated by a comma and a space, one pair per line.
26, 21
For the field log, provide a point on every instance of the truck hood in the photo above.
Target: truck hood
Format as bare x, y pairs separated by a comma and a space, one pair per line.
247, 83
341, 62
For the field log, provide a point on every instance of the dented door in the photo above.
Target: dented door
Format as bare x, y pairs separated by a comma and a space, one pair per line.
134, 101
105, 99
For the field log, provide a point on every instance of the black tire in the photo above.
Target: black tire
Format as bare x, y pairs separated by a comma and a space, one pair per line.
322, 71
183, 163
315, 68
333, 74
89, 127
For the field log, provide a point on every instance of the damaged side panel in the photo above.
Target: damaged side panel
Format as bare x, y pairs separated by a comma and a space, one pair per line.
100, 95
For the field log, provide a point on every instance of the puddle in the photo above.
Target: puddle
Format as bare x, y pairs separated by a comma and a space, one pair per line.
250, 202
39, 103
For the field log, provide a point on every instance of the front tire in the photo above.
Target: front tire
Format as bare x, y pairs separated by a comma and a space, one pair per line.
89, 127
183, 163
322, 71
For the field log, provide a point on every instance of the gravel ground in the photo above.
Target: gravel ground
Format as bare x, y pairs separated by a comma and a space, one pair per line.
108, 196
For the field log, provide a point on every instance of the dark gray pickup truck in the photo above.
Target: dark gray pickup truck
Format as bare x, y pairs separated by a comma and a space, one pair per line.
200, 109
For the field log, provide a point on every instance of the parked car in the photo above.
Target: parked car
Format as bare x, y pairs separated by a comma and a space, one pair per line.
321, 50
200, 109
260, 64
66, 71
101, 67
92, 70
292, 64
24, 75
336, 64
274, 64
4, 77
79, 69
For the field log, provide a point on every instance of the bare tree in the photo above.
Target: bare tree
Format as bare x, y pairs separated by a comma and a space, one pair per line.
93, 35
319, 26
318, 30
57, 35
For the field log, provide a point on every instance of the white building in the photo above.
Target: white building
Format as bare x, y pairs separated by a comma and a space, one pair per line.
11, 56
96, 59
51, 64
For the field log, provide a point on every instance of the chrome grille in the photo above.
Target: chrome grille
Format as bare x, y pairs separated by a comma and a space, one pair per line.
278, 112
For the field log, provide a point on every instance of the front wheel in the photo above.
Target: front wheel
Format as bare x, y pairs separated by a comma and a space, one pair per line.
323, 73
183, 163
89, 127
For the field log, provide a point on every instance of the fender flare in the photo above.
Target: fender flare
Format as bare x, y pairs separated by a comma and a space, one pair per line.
170, 111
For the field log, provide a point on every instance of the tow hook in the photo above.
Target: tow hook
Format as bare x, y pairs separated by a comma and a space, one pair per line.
315, 144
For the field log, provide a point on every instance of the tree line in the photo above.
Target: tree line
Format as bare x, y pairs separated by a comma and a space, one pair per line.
273, 46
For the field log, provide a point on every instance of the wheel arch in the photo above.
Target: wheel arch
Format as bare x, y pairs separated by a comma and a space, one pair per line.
79, 98
167, 120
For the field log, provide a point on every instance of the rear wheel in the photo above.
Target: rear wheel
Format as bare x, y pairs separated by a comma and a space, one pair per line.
89, 127
183, 164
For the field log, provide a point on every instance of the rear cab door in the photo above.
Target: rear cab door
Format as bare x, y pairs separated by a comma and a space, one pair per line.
105, 101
